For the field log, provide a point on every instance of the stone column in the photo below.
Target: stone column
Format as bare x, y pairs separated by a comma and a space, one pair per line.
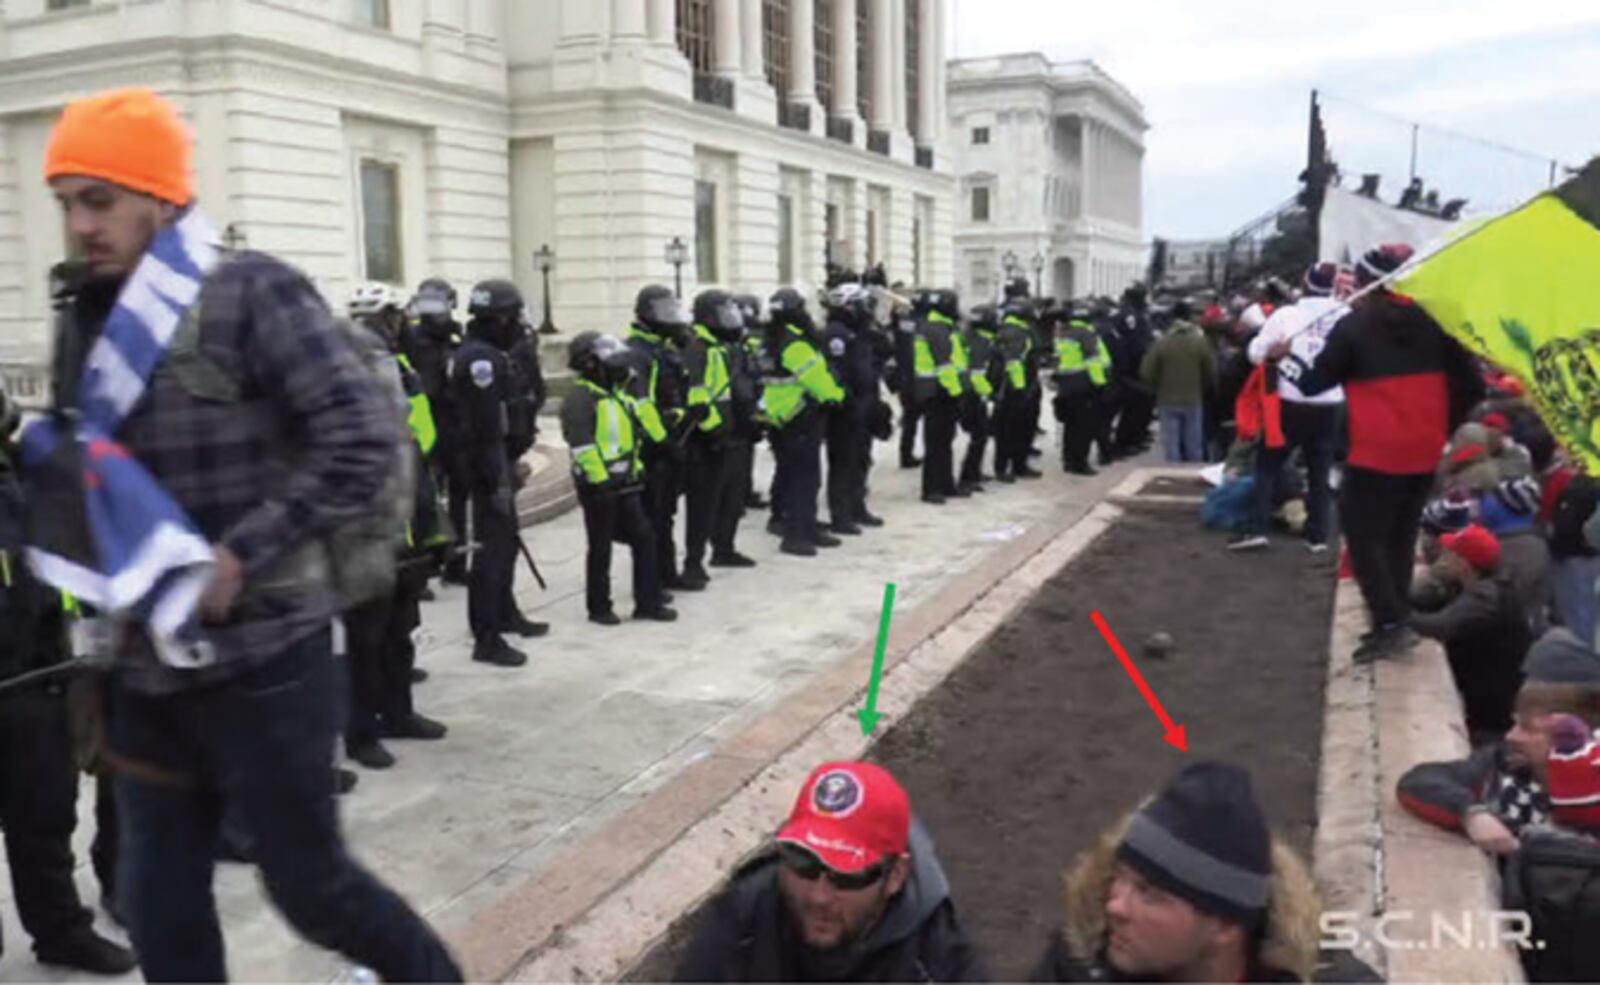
883, 65
584, 21
663, 22
897, 64
844, 57
628, 20
755, 57
802, 53
729, 56
930, 67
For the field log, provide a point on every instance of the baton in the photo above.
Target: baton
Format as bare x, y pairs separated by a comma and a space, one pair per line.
533, 566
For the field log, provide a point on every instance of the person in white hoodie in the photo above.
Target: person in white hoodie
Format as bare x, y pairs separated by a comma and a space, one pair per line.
1289, 344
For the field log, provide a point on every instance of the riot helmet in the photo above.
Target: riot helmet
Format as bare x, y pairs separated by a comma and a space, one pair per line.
945, 302
496, 309
753, 310
788, 309
719, 312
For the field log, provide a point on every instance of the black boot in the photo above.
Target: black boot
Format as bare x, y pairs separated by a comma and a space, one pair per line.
659, 614
84, 950
694, 578
867, 519
497, 652
607, 618
414, 726
371, 754
798, 547
732, 559
525, 627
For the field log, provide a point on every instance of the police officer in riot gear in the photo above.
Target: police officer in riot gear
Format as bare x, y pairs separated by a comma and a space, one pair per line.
482, 381
903, 381
1081, 384
429, 342
939, 389
656, 338
527, 390
712, 488
798, 391
847, 344
602, 427
745, 366
1017, 389
982, 353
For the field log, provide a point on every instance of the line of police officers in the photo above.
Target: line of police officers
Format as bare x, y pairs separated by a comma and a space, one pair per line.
674, 410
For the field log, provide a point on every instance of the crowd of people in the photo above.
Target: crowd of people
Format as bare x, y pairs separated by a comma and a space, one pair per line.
253, 486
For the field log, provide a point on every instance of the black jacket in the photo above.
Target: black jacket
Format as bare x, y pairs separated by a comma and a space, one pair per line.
526, 396
1407, 384
481, 386
32, 623
747, 935
429, 345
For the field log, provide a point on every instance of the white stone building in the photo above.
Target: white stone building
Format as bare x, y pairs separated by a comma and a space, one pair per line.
397, 139
1049, 160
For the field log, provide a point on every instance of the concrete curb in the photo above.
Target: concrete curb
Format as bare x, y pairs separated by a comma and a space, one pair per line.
1372, 857
591, 912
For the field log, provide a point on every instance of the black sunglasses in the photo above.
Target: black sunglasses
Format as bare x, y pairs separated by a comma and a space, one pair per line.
805, 864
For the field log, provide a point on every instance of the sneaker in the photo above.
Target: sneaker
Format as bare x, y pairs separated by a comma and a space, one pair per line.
372, 755
659, 614
525, 627
607, 618
84, 950
798, 548
731, 560
1317, 546
693, 579
1248, 542
497, 652
825, 540
869, 519
414, 726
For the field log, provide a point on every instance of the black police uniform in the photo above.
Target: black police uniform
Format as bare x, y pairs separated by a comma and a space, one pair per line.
850, 358
659, 379
1016, 342
482, 381
983, 354
429, 343
713, 483
905, 379
744, 372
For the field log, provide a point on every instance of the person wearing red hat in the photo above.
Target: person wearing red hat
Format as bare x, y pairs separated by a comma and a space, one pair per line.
850, 891
247, 432
1483, 625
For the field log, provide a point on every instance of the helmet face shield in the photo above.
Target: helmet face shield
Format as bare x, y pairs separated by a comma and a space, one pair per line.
661, 312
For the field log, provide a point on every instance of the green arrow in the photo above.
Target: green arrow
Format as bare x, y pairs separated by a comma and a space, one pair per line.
868, 716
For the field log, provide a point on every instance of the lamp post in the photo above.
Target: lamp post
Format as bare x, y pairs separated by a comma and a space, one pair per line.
233, 238
677, 255
545, 259
1009, 262
1038, 275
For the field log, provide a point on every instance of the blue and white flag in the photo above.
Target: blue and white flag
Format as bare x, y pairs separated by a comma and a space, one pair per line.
105, 530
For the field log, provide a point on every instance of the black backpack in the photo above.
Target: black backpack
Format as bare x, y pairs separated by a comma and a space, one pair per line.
1555, 879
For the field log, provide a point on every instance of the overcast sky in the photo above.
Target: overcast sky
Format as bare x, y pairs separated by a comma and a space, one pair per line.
1225, 85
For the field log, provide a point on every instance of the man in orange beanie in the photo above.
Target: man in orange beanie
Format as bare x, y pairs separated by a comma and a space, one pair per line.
264, 439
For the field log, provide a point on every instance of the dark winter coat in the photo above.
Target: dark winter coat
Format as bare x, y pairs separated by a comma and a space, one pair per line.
1441, 793
1486, 634
747, 935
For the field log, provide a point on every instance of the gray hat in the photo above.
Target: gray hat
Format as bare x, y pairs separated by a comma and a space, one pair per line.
1559, 657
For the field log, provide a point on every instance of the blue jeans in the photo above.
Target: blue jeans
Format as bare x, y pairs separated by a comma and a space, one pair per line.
1310, 428
1183, 433
260, 748
1573, 585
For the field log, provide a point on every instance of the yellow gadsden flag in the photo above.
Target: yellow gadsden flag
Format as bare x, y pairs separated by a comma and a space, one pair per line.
1523, 291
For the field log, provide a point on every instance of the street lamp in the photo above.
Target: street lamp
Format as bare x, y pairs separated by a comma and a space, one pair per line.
677, 255
1038, 274
233, 238
1009, 262
545, 259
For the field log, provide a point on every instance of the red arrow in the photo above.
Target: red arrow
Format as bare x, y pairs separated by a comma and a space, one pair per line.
1175, 734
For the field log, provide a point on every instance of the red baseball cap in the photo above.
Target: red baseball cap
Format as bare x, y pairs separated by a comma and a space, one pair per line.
850, 815
1474, 545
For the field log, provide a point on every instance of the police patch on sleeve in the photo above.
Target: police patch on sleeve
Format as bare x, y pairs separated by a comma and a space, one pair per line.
836, 347
482, 373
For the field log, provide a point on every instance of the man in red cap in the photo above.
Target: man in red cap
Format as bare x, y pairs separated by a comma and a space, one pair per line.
1483, 626
232, 423
850, 891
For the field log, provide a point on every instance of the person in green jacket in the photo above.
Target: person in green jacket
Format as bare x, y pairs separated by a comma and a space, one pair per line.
981, 352
1016, 391
605, 430
939, 387
797, 386
1180, 368
711, 489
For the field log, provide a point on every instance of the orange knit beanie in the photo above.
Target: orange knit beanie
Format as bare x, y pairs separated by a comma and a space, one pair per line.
129, 137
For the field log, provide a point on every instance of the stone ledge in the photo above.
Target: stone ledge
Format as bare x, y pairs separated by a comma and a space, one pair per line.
1372, 857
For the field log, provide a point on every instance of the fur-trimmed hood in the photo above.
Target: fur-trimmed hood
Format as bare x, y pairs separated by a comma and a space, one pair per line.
1292, 934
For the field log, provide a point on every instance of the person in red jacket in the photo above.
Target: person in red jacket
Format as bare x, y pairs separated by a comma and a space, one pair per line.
1407, 385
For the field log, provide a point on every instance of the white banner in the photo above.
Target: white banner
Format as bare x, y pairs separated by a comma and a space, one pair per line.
1352, 224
